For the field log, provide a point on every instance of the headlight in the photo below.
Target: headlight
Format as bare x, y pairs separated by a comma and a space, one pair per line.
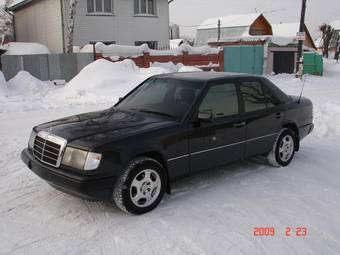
32, 139
80, 159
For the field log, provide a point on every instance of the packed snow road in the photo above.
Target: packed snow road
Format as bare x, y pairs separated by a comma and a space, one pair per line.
214, 212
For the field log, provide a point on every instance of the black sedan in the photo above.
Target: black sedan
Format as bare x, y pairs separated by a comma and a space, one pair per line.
168, 127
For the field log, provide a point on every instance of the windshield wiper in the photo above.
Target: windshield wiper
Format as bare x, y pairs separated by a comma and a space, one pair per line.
159, 113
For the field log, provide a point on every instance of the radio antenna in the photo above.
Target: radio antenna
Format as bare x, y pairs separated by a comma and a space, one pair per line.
303, 86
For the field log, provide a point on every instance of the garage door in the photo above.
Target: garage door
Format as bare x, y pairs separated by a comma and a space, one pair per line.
284, 62
243, 59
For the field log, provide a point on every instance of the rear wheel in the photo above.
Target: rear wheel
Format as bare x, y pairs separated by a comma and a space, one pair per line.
141, 186
284, 149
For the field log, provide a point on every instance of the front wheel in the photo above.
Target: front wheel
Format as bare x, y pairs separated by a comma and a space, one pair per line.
284, 149
141, 186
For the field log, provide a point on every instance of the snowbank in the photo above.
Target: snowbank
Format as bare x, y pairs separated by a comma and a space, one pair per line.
24, 92
99, 83
104, 81
21, 48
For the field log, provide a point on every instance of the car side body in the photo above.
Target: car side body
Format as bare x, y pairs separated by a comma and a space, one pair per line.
182, 146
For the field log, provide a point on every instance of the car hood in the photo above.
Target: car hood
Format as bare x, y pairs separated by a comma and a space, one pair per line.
94, 123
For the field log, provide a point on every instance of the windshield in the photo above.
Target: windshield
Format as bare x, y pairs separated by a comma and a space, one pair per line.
166, 97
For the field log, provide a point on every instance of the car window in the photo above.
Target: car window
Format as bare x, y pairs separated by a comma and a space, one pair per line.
163, 96
154, 93
271, 98
221, 100
253, 96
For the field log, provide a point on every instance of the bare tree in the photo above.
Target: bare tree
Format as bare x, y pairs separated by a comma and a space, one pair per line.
70, 25
327, 34
6, 23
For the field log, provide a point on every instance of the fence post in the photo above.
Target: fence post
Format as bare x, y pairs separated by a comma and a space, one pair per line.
185, 57
221, 60
146, 59
94, 52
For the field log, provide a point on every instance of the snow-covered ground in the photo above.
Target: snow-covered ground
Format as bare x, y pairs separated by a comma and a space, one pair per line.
210, 213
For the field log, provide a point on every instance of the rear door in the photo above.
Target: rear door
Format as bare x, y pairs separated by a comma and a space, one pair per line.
262, 113
222, 140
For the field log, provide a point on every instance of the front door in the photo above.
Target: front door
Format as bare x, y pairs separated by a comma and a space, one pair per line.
221, 140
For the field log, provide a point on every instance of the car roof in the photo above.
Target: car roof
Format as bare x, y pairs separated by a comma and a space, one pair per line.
204, 76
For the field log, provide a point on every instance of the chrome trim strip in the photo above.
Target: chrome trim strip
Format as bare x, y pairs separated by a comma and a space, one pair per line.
260, 137
183, 156
221, 147
216, 148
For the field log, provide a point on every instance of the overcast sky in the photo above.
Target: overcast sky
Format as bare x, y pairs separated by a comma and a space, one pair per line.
192, 12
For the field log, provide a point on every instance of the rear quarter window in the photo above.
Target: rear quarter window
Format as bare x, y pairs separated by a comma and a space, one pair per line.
253, 97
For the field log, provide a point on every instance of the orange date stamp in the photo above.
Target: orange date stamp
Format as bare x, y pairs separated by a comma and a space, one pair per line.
288, 232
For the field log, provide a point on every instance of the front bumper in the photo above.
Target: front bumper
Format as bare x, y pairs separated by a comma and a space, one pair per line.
88, 187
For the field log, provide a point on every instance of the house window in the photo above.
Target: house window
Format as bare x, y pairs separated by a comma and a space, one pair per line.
100, 6
152, 44
147, 7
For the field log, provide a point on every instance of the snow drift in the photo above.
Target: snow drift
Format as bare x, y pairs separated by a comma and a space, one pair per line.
99, 83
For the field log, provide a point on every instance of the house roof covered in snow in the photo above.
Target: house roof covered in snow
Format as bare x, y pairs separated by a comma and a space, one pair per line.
243, 25
242, 20
336, 24
286, 29
290, 30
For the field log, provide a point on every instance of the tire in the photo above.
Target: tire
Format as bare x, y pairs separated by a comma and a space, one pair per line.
141, 186
284, 149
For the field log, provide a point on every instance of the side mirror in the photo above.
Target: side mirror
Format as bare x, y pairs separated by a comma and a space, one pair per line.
205, 116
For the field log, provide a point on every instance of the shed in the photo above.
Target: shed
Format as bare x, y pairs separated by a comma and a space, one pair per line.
253, 24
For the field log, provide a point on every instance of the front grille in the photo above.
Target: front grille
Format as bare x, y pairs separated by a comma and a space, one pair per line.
48, 148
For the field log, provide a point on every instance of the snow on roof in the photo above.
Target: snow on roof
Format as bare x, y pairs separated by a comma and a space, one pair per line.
129, 51
242, 20
336, 24
286, 29
175, 43
21, 48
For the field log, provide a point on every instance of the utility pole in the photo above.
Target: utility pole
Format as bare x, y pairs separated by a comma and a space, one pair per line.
219, 30
299, 63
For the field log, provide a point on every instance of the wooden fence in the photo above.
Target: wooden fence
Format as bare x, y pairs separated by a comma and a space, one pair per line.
205, 62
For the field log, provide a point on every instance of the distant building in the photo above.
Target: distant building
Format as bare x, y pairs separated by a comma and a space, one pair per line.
174, 31
255, 46
234, 26
127, 22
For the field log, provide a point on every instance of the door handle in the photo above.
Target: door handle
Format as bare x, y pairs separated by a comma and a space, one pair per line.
278, 115
239, 124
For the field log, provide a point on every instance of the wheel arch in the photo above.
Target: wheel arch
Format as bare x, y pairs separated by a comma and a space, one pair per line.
292, 126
